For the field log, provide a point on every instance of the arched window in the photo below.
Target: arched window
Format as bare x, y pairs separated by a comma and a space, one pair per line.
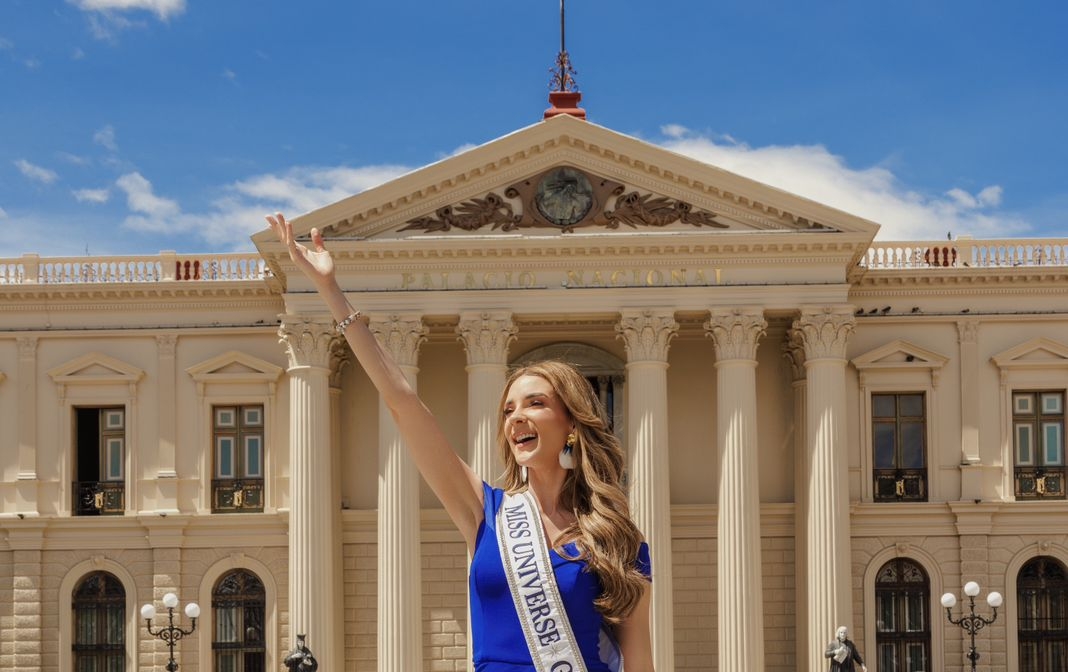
99, 605
1042, 628
238, 604
903, 625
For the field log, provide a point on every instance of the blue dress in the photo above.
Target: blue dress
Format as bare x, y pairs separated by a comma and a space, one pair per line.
497, 637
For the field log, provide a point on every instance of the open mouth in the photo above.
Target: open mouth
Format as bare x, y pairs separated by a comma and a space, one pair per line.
523, 439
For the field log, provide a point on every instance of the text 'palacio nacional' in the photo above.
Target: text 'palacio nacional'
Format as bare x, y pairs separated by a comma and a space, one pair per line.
821, 430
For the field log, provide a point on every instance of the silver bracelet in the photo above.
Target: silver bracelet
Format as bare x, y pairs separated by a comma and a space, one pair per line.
344, 324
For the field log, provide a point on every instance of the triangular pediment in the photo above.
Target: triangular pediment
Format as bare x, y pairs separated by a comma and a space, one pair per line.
95, 368
899, 355
1037, 353
234, 367
566, 175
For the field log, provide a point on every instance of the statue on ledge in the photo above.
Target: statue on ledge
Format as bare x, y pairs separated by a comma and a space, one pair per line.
300, 659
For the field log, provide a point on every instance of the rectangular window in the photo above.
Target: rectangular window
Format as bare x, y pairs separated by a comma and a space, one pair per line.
237, 434
1038, 443
899, 446
99, 488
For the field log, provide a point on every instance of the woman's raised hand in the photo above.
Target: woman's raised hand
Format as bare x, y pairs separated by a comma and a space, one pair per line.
317, 264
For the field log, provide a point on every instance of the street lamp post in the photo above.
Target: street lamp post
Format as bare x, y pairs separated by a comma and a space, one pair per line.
171, 633
971, 622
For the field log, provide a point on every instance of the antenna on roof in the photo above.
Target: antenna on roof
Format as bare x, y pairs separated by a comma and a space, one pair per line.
564, 95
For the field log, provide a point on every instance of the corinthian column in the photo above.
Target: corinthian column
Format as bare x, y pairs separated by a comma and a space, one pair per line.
400, 618
646, 335
824, 332
739, 585
313, 541
794, 353
486, 337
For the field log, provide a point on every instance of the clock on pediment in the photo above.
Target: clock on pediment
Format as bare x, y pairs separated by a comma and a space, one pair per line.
564, 198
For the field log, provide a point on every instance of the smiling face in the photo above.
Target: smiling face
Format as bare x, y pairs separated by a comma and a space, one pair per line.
536, 422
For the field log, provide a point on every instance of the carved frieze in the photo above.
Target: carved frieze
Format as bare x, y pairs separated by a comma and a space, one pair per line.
564, 198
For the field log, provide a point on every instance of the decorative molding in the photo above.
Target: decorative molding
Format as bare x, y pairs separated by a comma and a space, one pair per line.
1037, 353
233, 367
96, 369
486, 336
307, 340
400, 335
564, 198
825, 331
736, 332
900, 355
646, 334
793, 351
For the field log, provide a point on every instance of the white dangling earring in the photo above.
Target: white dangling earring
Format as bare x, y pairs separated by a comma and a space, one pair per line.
523, 473
567, 455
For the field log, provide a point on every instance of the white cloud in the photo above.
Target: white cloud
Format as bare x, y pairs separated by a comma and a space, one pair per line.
164, 9
35, 172
77, 54
873, 193
229, 75
108, 17
32, 64
105, 137
152, 210
73, 159
91, 195
3, 213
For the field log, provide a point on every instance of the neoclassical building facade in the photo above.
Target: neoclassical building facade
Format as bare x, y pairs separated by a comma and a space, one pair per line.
821, 430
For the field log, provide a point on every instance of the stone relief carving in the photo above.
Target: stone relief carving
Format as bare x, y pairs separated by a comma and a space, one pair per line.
564, 198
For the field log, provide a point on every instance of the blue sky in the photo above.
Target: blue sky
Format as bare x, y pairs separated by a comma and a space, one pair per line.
134, 126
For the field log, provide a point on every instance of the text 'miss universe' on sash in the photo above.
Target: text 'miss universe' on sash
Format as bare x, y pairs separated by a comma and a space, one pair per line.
529, 571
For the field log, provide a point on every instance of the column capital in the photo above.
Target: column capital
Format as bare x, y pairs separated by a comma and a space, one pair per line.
340, 359
486, 336
400, 334
27, 346
825, 330
736, 332
166, 344
646, 333
793, 351
968, 331
307, 340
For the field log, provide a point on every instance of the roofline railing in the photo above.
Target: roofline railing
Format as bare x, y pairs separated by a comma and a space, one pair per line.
966, 253
31, 269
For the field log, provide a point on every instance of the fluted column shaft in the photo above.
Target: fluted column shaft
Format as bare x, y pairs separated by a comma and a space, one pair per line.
400, 624
739, 583
486, 337
794, 353
646, 335
312, 539
825, 332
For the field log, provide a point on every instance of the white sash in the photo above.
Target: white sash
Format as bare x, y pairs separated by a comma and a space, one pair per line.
529, 571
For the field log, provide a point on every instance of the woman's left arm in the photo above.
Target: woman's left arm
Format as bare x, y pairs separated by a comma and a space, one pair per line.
634, 641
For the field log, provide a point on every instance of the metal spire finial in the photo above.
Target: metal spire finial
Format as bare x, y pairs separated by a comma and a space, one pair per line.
563, 74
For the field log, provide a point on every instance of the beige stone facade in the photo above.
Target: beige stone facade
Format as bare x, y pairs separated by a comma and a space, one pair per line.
743, 338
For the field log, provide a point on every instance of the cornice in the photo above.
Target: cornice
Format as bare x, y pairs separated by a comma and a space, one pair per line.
36, 304
122, 293
976, 281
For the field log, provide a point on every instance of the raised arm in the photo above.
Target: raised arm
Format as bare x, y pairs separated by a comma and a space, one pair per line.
451, 479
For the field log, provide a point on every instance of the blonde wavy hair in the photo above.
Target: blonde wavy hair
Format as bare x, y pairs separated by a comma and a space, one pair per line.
607, 538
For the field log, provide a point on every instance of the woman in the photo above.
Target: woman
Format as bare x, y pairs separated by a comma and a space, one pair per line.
563, 490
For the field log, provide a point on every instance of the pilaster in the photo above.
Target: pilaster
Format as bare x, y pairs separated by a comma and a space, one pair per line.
647, 333
400, 641
736, 333
313, 542
825, 332
26, 478
166, 474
